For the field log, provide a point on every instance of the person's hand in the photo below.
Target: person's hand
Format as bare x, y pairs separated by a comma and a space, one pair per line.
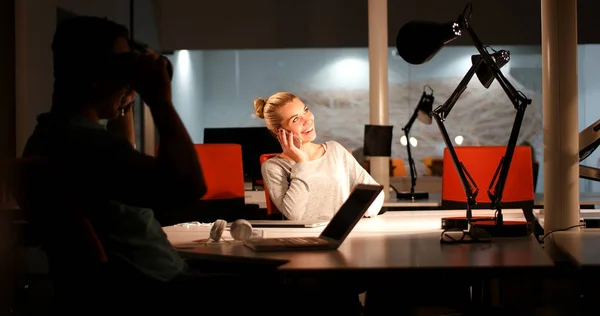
151, 79
290, 147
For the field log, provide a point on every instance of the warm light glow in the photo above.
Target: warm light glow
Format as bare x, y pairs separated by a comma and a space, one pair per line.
183, 62
459, 140
343, 73
413, 142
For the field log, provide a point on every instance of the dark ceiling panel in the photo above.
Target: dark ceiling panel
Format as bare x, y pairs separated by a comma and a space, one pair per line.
238, 24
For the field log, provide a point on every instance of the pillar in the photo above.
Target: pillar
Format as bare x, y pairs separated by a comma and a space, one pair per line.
378, 84
561, 135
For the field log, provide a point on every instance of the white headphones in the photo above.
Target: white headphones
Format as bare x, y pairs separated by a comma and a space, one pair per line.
241, 229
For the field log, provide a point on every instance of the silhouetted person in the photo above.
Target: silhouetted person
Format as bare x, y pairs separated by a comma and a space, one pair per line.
96, 75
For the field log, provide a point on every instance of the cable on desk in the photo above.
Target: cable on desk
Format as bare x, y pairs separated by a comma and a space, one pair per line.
559, 230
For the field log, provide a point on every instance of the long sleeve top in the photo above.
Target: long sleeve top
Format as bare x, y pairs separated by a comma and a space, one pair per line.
316, 189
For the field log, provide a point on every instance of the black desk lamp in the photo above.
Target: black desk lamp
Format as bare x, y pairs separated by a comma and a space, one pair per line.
589, 139
422, 113
417, 42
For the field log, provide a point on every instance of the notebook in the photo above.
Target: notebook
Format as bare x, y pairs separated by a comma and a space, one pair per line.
334, 234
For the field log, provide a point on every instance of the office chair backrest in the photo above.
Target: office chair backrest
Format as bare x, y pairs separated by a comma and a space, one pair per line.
481, 163
271, 208
223, 170
398, 167
56, 215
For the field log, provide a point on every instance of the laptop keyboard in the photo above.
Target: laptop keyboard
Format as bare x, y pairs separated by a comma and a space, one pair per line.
301, 240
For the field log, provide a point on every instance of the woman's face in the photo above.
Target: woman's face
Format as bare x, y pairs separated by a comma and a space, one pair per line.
298, 119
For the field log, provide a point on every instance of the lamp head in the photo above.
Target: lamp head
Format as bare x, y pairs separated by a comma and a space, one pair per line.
418, 41
425, 107
485, 73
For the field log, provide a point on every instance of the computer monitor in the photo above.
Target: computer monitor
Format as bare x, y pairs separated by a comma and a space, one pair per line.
255, 141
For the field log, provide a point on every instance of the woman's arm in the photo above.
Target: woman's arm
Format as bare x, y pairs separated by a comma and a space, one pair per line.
289, 192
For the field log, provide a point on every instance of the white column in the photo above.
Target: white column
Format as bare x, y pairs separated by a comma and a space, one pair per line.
561, 135
378, 83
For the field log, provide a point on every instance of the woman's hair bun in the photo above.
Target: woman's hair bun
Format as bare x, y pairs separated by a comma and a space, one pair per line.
259, 107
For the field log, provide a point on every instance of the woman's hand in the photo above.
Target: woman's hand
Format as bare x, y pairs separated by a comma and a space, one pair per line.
290, 145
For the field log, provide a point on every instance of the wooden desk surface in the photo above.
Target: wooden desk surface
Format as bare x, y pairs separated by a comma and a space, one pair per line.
399, 242
583, 213
584, 199
435, 201
581, 247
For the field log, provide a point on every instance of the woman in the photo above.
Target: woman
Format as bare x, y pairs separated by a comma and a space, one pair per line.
307, 180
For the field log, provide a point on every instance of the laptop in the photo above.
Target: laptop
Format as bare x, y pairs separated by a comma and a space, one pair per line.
334, 234
310, 223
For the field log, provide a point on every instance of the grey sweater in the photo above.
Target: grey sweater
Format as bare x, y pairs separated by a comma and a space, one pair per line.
316, 189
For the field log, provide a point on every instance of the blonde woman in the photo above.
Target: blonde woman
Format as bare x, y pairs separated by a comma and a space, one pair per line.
307, 180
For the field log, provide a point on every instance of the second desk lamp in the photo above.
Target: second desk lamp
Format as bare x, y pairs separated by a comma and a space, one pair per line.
422, 113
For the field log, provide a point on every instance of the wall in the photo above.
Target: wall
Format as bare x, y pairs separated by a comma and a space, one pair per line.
7, 150
7, 80
589, 109
188, 90
257, 24
36, 22
334, 83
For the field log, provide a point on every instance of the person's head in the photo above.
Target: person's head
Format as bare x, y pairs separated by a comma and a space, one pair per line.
285, 110
83, 48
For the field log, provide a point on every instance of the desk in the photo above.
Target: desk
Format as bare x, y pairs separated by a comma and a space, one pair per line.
256, 197
583, 213
433, 202
581, 247
586, 200
399, 244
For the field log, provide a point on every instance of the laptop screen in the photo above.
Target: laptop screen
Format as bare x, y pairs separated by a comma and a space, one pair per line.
351, 211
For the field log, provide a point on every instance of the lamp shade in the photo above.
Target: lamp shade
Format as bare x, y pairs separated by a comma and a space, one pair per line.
418, 41
485, 73
424, 108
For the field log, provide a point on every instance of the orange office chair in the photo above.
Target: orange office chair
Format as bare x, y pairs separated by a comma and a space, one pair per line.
272, 210
481, 163
399, 169
223, 172
224, 176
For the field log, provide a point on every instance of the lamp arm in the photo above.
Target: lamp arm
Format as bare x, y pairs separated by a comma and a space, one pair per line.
411, 163
589, 173
468, 183
520, 103
444, 109
499, 180
411, 121
516, 97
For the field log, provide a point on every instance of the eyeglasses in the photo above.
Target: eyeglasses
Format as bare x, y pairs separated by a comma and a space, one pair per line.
473, 235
